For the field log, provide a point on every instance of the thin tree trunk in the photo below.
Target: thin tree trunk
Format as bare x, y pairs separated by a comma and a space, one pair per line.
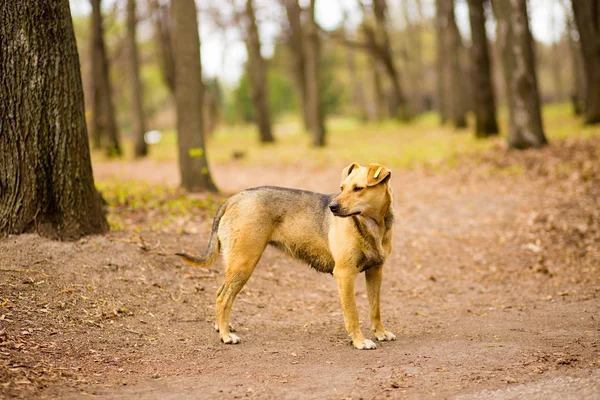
193, 165
103, 111
453, 77
258, 80
587, 18
414, 59
163, 41
297, 51
46, 181
379, 101
516, 47
578, 84
441, 63
484, 102
138, 124
313, 82
398, 104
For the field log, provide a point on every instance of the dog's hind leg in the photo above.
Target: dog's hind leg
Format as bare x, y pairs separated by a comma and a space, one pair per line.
240, 265
373, 277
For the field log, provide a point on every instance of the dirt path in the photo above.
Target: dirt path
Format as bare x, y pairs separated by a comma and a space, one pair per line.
492, 290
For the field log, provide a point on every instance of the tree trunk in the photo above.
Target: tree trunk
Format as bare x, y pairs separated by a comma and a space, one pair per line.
137, 126
516, 48
578, 88
587, 18
313, 82
298, 55
163, 41
193, 165
441, 70
398, 103
414, 59
484, 102
103, 110
452, 45
379, 100
46, 181
258, 80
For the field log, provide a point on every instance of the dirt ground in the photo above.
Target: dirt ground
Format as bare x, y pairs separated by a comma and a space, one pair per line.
493, 291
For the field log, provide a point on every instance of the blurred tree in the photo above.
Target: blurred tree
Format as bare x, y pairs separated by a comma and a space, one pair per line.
516, 49
163, 41
414, 56
295, 42
485, 103
257, 72
103, 118
587, 18
193, 165
138, 123
578, 87
378, 44
313, 82
46, 181
451, 93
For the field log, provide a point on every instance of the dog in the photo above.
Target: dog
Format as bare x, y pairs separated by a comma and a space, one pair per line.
342, 234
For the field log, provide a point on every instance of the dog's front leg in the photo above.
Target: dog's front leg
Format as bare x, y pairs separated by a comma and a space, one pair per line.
345, 277
373, 277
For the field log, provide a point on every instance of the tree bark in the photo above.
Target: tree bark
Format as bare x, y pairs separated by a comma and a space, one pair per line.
313, 82
258, 80
138, 127
451, 46
516, 47
297, 50
484, 102
587, 19
103, 110
46, 181
193, 165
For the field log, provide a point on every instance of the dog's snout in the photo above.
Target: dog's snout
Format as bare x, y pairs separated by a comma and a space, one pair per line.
334, 207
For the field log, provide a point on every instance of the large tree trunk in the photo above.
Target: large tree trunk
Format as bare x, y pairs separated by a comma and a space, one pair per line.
138, 125
296, 46
516, 47
46, 181
485, 103
451, 43
193, 165
163, 41
103, 110
258, 79
313, 82
587, 18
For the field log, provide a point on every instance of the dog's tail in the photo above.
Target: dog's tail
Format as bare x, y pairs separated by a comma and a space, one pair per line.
211, 253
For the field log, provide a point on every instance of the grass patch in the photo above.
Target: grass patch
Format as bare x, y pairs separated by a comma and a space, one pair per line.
423, 141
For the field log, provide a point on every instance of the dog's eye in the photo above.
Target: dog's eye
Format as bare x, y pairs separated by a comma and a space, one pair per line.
357, 189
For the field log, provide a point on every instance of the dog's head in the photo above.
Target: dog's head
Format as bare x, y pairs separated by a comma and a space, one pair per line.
365, 190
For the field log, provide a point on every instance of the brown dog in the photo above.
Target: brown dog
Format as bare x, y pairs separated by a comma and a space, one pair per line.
342, 234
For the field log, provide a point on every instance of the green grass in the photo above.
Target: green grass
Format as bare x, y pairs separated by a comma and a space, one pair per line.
423, 141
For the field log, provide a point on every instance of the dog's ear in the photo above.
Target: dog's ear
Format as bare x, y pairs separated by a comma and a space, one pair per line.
376, 174
348, 170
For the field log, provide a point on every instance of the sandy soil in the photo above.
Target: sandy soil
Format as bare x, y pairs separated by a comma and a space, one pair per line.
493, 290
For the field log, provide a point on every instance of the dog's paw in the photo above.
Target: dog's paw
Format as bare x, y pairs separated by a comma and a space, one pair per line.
366, 344
385, 336
230, 339
231, 328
